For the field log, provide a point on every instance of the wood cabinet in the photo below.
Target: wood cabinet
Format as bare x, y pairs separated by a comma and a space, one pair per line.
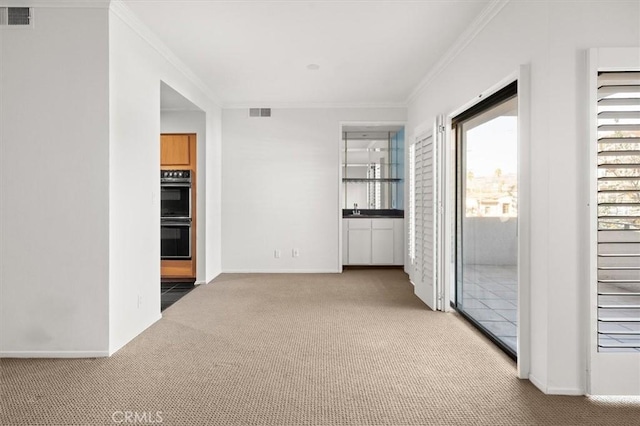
178, 152
378, 241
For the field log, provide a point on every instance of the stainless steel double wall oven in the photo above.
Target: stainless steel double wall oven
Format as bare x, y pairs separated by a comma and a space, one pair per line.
175, 214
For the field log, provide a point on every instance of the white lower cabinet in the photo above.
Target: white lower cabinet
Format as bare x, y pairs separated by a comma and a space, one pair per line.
382, 241
359, 252
373, 241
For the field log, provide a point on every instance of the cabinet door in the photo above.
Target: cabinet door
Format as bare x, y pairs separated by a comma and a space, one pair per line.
398, 241
382, 246
175, 150
360, 246
345, 241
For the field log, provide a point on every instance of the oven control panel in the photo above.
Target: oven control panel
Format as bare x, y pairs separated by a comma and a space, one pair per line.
175, 174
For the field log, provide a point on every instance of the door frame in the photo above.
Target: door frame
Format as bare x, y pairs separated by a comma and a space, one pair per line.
522, 76
341, 124
185, 269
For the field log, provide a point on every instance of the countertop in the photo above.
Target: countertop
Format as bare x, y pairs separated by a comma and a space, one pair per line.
373, 214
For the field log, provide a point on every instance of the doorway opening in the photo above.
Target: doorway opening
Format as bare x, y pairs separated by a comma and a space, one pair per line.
372, 194
182, 184
486, 227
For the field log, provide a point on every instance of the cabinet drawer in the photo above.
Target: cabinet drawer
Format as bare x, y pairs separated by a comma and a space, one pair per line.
359, 223
382, 223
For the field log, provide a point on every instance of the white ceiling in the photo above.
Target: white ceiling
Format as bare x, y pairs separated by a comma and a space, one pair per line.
256, 52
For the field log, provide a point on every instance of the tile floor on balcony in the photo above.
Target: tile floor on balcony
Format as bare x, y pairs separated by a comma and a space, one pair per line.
490, 296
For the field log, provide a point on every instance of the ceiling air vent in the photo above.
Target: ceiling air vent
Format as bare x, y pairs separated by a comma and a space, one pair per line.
259, 112
15, 16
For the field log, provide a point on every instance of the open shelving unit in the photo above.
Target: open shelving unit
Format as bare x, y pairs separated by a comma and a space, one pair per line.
372, 169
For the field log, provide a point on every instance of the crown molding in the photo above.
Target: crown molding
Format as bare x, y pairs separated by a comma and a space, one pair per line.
122, 11
460, 44
180, 110
313, 105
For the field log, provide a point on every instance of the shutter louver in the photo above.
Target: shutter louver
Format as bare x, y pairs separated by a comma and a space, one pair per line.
412, 204
428, 219
424, 219
419, 211
618, 210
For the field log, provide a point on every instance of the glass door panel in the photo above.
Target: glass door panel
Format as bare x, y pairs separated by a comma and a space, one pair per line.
487, 218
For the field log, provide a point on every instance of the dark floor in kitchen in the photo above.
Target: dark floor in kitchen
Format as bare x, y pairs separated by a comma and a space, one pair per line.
171, 292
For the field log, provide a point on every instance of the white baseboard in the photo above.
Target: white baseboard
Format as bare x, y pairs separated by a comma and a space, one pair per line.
537, 383
555, 391
282, 271
72, 354
566, 391
54, 354
199, 282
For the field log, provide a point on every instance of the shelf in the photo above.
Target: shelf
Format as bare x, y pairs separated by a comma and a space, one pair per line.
369, 164
371, 180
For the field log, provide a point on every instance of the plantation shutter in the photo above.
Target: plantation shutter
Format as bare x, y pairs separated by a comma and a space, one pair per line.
428, 218
412, 205
423, 266
438, 211
419, 213
618, 212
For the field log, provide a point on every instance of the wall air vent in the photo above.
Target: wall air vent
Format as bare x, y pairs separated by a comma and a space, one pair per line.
259, 112
15, 17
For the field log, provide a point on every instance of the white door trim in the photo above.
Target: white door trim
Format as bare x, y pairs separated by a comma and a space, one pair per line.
341, 124
522, 76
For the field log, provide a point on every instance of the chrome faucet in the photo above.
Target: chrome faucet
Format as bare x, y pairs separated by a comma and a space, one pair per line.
355, 209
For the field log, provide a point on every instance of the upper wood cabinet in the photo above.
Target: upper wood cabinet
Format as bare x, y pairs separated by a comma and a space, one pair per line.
177, 151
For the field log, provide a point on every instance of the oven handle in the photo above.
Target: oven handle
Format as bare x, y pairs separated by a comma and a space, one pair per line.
172, 223
175, 185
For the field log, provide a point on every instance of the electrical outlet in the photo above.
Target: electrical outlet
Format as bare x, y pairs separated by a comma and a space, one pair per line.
139, 301
295, 252
276, 254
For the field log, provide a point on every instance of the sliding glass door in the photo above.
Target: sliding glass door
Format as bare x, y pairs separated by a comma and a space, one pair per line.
487, 215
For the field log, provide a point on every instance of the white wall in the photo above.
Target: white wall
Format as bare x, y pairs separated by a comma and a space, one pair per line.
193, 122
213, 239
136, 71
553, 37
80, 246
281, 187
54, 171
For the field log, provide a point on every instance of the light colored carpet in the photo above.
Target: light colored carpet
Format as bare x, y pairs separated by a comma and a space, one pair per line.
326, 349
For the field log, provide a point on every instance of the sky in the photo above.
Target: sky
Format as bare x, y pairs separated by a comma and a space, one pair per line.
493, 145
